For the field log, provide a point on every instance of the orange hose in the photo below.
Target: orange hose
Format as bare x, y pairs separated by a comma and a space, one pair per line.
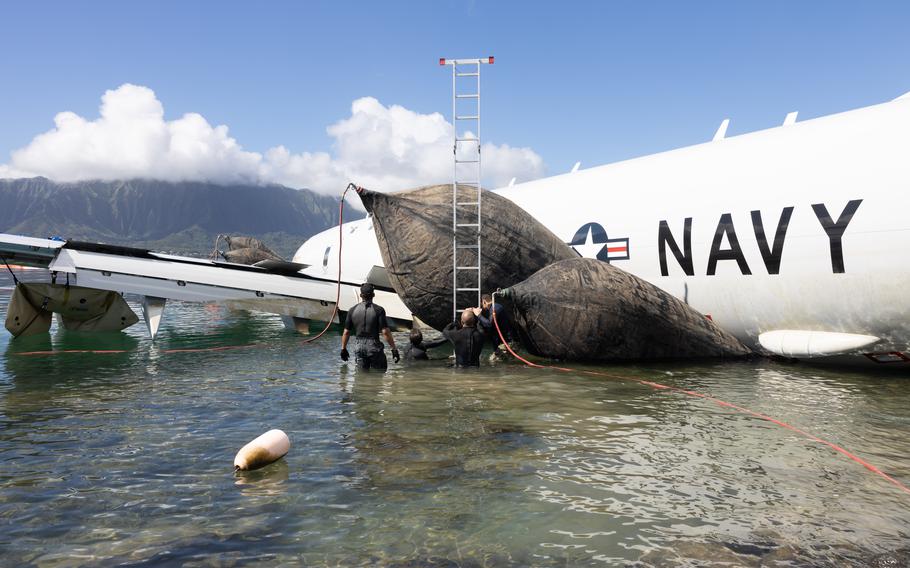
338, 284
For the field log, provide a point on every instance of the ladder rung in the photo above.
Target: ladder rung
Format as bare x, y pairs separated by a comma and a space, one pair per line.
467, 117
467, 268
467, 246
471, 96
468, 182
467, 139
467, 74
468, 203
467, 289
467, 224
466, 162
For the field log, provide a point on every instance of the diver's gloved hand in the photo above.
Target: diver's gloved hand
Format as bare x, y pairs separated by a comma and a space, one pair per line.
344, 354
395, 356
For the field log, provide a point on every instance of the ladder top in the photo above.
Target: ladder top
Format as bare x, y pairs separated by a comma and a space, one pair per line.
444, 61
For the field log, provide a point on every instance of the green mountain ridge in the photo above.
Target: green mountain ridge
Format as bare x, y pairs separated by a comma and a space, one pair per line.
176, 217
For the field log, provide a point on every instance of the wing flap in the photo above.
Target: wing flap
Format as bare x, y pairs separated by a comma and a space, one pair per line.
28, 251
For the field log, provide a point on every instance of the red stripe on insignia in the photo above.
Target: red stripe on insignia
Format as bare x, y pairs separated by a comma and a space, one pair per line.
616, 249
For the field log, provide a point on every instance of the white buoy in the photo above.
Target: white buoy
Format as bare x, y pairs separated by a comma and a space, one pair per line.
262, 451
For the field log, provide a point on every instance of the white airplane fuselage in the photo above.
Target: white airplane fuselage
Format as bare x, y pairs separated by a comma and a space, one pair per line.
800, 230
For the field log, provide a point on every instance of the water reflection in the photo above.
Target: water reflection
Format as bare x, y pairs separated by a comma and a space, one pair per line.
423, 433
269, 481
126, 458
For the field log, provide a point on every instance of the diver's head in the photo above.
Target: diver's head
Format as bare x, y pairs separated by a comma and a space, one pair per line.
367, 292
468, 319
416, 336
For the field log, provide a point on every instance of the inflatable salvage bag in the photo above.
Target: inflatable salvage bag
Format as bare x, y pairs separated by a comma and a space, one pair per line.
247, 250
414, 230
586, 309
82, 309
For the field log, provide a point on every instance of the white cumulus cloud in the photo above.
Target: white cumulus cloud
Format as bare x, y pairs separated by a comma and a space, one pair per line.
386, 148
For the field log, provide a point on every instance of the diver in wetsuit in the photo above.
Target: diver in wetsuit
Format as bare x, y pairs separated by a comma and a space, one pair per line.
417, 349
366, 320
468, 340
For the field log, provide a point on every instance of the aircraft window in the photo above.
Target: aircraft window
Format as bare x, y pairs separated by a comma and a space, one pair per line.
325, 257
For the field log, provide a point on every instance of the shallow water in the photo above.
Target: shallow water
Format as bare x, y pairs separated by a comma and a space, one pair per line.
125, 458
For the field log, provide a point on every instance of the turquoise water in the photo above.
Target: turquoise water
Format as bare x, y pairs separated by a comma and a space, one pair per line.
126, 458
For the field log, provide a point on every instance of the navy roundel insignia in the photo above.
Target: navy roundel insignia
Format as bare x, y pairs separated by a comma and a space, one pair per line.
591, 241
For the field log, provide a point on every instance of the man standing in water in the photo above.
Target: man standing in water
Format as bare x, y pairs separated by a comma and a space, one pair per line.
366, 320
468, 340
485, 315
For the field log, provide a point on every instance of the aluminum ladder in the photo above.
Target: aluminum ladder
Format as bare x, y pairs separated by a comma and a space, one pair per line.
466, 176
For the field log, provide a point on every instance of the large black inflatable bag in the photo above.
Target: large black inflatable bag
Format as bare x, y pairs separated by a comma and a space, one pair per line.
586, 309
414, 230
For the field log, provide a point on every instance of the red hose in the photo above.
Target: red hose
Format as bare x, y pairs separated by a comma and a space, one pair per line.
338, 283
717, 401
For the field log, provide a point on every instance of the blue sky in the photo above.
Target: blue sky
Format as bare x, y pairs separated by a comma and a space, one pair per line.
593, 82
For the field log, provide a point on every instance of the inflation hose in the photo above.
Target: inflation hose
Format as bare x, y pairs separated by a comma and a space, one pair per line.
719, 402
331, 320
215, 251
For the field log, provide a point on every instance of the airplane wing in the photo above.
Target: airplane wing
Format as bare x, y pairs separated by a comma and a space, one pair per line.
158, 277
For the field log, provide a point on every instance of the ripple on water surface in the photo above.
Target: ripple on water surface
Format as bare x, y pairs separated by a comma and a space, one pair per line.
125, 458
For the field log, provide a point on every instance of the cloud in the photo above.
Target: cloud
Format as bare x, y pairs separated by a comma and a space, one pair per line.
132, 139
382, 147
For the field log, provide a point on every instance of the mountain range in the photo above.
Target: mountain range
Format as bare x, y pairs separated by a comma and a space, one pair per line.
181, 217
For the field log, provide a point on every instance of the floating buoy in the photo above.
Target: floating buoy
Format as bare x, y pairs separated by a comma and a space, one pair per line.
267, 448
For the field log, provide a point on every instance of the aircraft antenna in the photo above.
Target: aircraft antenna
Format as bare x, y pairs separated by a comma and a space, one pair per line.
466, 176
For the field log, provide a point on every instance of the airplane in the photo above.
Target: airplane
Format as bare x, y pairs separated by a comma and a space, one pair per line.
791, 238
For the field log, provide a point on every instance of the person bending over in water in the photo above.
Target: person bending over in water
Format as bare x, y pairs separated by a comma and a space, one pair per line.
365, 321
417, 349
468, 340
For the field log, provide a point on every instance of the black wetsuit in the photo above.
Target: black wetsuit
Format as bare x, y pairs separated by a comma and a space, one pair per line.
418, 351
468, 344
502, 318
364, 322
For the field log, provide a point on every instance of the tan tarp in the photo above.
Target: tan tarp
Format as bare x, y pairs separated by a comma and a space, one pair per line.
83, 309
118, 316
248, 250
24, 319
240, 242
250, 255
